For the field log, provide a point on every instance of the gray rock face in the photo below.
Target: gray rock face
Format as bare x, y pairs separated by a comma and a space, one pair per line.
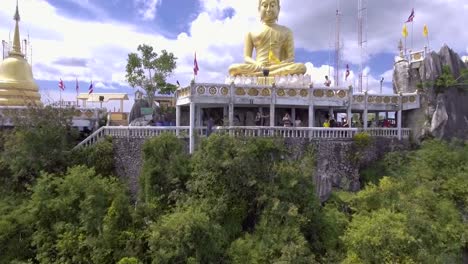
444, 113
401, 76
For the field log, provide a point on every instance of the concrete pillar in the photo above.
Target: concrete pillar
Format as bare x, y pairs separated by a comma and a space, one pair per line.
311, 116
225, 114
192, 128
177, 122
272, 115
199, 116
272, 106
231, 114
399, 121
349, 113
365, 114
121, 106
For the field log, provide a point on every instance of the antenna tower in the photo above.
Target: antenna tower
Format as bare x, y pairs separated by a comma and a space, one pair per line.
337, 45
362, 39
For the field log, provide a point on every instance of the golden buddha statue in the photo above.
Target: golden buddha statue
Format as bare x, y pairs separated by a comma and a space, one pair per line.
274, 46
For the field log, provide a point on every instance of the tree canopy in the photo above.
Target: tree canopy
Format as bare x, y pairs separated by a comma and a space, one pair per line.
149, 71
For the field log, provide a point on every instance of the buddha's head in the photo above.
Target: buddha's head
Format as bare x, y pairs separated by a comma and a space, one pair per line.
269, 10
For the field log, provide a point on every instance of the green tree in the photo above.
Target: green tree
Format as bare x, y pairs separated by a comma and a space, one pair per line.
187, 236
165, 170
99, 156
79, 218
41, 141
446, 79
149, 71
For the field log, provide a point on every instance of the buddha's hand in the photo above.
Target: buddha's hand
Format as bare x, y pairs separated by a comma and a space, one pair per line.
262, 65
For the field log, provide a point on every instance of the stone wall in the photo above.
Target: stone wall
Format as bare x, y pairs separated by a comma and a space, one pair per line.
337, 163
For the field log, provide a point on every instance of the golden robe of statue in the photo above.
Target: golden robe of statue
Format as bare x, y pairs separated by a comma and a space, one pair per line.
274, 46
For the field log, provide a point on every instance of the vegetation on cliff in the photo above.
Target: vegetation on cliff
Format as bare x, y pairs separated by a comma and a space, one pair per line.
234, 201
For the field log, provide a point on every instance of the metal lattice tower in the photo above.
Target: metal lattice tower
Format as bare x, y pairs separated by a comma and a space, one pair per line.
362, 39
337, 45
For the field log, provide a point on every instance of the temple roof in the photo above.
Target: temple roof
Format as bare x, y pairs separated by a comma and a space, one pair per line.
94, 97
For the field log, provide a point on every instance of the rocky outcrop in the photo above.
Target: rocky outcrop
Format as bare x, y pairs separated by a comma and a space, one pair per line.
444, 111
401, 75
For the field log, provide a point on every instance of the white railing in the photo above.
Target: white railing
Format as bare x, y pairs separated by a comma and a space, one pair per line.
388, 132
241, 131
132, 132
288, 132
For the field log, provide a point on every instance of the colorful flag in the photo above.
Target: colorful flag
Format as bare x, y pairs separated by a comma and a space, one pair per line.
411, 16
347, 72
195, 65
77, 86
404, 32
91, 88
61, 85
272, 58
425, 31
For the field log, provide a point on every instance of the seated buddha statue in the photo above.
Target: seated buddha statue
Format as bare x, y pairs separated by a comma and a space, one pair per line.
273, 44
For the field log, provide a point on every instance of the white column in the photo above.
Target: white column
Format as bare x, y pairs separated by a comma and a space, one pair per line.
400, 107
192, 128
225, 114
231, 114
272, 105
272, 115
121, 106
365, 114
349, 113
311, 116
177, 119
199, 116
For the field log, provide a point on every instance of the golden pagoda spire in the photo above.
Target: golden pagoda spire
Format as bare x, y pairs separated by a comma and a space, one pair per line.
16, 38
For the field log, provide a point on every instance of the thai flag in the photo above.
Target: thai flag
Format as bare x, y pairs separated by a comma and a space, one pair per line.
91, 88
61, 85
77, 86
411, 16
195, 65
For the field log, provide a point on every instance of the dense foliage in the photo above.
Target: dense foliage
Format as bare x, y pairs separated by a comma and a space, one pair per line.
238, 201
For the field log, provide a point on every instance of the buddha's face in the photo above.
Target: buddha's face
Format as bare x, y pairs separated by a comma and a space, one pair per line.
269, 10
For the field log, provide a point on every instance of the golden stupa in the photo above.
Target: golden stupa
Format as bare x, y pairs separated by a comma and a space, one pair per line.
17, 85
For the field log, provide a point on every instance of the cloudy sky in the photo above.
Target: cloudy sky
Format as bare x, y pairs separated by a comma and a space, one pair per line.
90, 39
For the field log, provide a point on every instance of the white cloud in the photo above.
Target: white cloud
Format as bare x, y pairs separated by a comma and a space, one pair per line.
147, 8
218, 41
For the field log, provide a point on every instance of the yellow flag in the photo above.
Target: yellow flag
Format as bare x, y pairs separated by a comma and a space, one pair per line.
272, 58
405, 31
425, 31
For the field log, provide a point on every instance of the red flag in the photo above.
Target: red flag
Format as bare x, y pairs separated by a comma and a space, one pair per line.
195, 65
411, 16
77, 86
61, 85
347, 72
91, 88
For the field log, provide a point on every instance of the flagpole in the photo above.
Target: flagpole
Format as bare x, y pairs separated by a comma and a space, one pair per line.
412, 31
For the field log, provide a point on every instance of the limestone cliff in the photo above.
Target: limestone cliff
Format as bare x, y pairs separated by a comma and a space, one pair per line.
444, 111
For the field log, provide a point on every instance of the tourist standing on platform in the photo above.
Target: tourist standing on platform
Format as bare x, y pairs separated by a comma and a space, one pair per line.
286, 120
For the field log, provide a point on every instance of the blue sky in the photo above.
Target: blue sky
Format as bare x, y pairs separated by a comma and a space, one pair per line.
90, 39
